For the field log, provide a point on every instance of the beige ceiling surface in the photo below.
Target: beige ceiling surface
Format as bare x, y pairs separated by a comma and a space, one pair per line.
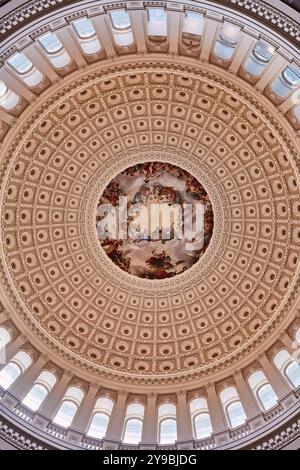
82, 306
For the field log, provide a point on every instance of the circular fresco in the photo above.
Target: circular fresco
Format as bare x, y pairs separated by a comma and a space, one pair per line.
154, 220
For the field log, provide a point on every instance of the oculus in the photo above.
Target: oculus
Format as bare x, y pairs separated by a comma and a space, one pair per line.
154, 220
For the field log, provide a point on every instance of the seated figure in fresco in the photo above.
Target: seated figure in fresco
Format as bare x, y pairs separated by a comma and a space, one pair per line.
159, 265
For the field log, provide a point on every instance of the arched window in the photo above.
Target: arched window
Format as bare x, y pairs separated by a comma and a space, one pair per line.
289, 368
3, 89
40, 390
167, 426
193, 24
87, 36
20, 63
120, 19
84, 28
236, 414
8, 99
133, 425
157, 24
54, 50
18, 364
259, 58
69, 407
286, 82
227, 41
262, 390
297, 335
51, 43
121, 27
200, 418
25, 69
233, 407
292, 371
267, 396
100, 418
4, 337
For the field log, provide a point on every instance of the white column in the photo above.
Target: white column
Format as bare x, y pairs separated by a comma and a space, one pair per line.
17, 86
149, 435
290, 101
280, 386
71, 46
173, 30
104, 36
82, 418
287, 341
37, 58
184, 424
26, 381
116, 422
208, 38
248, 401
276, 66
215, 410
137, 25
55, 397
242, 51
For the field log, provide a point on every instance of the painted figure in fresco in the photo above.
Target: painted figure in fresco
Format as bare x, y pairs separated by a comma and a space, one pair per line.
156, 255
112, 249
112, 193
156, 193
159, 264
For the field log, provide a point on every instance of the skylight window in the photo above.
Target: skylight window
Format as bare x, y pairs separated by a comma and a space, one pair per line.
288, 80
291, 76
120, 19
258, 59
263, 52
267, 396
98, 425
157, 22
121, 28
25, 69
3, 89
55, 50
236, 414
157, 14
193, 23
84, 28
51, 43
229, 37
20, 63
8, 100
35, 397
87, 36
202, 425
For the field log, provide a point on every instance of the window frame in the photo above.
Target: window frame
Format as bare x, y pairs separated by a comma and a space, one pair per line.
266, 384
83, 38
120, 28
228, 405
194, 424
129, 418
18, 72
91, 420
166, 418
54, 52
